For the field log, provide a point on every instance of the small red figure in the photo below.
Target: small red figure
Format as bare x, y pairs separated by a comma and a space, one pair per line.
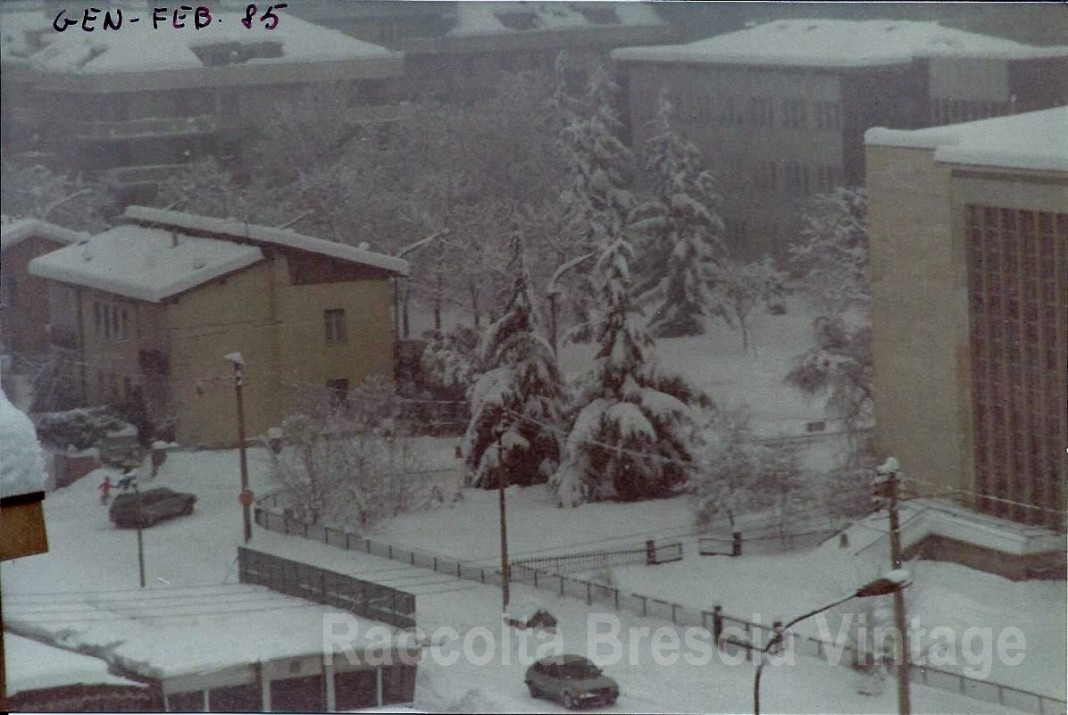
105, 488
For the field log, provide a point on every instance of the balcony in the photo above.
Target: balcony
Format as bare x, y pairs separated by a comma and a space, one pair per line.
147, 127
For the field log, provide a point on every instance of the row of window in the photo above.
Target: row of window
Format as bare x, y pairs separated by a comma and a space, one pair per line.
1016, 259
764, 112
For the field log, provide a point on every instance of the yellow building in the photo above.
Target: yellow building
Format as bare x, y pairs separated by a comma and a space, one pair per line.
969, 242
157, 302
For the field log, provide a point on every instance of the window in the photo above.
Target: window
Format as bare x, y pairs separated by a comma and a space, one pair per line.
334, 322
827, 115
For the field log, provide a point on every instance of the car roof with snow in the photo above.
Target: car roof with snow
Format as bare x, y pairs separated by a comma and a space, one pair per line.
565, 659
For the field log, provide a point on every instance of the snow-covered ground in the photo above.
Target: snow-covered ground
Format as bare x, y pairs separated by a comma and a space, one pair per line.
89, 556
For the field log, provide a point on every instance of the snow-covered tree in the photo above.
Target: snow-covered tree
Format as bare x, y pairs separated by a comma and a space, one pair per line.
839, 366
519, 400
31, 190
832, 260
682, 232
450, 363
832, 255
744, 286
597, 198
634, 430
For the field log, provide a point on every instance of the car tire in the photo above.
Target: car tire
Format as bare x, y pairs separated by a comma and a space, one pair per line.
534, 692
569, 702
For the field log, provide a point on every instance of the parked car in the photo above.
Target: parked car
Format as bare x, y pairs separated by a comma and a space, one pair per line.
571, 679
156, 505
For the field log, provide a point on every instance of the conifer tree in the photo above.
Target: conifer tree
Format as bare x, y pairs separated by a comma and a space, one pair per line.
519, 400
633, 430
682, 246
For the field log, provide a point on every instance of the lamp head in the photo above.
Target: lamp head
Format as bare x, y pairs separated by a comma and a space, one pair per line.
890, 466
892, 582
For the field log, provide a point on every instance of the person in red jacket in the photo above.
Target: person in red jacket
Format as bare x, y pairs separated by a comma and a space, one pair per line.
105, 489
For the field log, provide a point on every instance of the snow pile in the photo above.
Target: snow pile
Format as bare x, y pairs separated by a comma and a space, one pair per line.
21, 462
35, 666
1035, 141
836, 43
140, 48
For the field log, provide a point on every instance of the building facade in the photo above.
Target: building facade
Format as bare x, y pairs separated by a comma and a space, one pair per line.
969, 236
24, 313
134, 104
779, 110
160, 300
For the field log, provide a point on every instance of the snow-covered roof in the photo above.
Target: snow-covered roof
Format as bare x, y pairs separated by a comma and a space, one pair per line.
171, 632
14, 231
1035, 140
148, 264
35, 666
837, 43
493, 18
137, 47
248, 232
22, 469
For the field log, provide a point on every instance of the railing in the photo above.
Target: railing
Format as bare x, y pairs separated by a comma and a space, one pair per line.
361, 598
149, 174
650, 554
744, 635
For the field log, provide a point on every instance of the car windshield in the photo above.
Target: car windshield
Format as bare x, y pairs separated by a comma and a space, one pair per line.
580, 669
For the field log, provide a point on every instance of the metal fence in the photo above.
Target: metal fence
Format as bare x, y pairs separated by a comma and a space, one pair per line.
293, 578
650, 554
734, 635
762, 543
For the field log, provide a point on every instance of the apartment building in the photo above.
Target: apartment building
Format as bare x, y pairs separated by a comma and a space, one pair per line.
779, 110
134, 104
160, 300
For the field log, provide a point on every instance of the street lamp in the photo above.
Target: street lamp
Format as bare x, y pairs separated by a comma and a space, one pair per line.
893, 582
553, 290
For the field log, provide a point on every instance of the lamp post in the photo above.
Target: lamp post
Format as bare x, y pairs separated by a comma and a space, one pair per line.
245, 497
893, 582
501, 475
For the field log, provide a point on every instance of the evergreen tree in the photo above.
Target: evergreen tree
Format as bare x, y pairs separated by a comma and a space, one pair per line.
519, 401
682, 234
634, 429
598, 199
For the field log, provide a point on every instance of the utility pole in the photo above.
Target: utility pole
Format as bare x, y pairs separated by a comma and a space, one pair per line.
889, 471
501, 474
245, 497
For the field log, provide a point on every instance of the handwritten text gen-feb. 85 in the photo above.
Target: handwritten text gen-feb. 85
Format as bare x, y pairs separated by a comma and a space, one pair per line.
199, 17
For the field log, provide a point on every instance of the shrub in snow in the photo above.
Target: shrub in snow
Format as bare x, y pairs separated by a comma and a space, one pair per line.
681, 231
738, 474
78, 429
351, 464
633, 432
53, 391
518, 402
21, 463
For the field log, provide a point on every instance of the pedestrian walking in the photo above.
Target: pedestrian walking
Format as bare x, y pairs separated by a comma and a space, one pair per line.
105, 490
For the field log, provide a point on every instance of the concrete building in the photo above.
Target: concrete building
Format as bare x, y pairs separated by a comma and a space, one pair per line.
457, 51
969, 242
780, 109
135, 103
24, 317
156, 303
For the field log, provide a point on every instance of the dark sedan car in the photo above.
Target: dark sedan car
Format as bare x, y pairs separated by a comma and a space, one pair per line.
571, 679
156, 505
